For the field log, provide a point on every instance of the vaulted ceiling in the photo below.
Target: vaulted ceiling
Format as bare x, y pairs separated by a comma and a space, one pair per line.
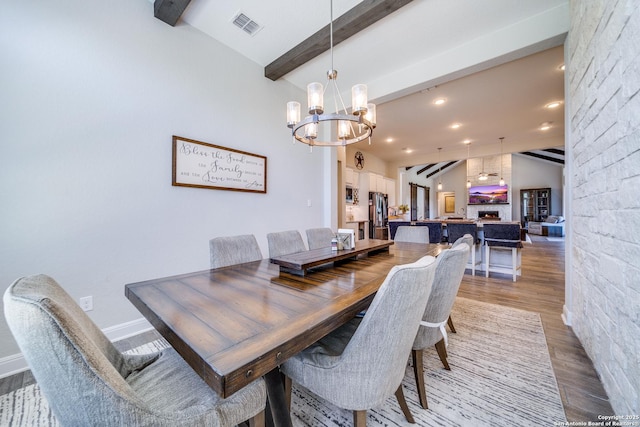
495, 62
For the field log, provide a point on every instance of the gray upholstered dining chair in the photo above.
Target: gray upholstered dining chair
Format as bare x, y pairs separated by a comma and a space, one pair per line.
285, 243
359, 365
458, 230
87, 381
231, 250
505, 236
412, 234
450, 267
319, 237
435, 230
468, 240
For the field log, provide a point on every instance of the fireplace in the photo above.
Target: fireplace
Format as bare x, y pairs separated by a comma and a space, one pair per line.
489, 215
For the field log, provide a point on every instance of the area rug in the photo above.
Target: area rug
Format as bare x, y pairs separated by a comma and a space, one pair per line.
501, 375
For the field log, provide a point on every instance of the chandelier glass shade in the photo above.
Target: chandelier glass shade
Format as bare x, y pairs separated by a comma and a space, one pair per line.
337, 128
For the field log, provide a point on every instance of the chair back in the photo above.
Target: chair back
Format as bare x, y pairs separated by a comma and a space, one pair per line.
456, 230
450, 266
505, 235
393, 227
319, 237
467, 239
374, 361
412, 234
78, 369
285, 243
435, 230
231, 250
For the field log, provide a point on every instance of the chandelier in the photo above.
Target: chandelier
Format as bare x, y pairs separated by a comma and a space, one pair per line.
339, 128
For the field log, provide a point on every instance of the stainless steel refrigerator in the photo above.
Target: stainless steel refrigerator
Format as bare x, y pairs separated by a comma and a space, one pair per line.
378, 216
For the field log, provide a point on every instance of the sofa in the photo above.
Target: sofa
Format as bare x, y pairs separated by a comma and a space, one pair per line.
552, 226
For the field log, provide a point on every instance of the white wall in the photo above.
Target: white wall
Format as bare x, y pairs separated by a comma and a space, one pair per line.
533, 173
604, 121
92, 93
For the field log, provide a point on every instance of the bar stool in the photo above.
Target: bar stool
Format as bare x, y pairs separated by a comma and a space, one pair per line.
503, 236
455, 230
435, 230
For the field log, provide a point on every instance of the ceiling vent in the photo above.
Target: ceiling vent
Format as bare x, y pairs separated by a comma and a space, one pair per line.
247, 24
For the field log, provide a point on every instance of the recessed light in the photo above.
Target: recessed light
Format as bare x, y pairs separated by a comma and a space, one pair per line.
439, 101
545, 126
466, 141
407, 150
389, 140
455, 126
554, 104
561, 67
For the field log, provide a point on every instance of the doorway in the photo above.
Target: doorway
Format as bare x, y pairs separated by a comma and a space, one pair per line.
419, 202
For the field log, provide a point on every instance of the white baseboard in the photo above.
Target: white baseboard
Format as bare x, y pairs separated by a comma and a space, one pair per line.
566, 315
16, 363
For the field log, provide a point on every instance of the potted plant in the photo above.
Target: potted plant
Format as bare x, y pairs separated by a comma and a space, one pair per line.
403, 211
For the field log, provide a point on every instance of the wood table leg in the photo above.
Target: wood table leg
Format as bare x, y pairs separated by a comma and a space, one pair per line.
276, 398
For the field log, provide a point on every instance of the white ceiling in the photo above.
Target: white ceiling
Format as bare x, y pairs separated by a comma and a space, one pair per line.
494, 60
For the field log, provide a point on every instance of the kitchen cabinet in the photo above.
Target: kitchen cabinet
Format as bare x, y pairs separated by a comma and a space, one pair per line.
352, 178
377, 183
390, 190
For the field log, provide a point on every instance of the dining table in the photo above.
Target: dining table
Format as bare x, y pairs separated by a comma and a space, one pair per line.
235, 324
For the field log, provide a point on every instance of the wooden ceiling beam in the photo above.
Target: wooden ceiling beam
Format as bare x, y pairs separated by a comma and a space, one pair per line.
169, 11
353, 21
543, 157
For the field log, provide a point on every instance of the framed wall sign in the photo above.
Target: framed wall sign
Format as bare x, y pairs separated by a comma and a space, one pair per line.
202, 165
449, 204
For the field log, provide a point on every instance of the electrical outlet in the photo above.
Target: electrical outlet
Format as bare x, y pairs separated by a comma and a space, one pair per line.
86, 303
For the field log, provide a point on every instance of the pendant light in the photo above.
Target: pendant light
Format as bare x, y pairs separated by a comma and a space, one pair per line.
501, 179
439, 170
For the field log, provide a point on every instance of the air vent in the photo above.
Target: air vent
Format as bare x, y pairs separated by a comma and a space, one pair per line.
247, 24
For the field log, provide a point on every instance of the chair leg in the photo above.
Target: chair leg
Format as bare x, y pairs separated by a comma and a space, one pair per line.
473, 261
287, 392
403, 405
442, 353
450, 323
359, 418
257, 420
418, 372
487, 251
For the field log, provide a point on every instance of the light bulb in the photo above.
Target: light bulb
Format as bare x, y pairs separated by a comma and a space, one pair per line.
293, 113
311, 130
359, 99
343, 129
315, 98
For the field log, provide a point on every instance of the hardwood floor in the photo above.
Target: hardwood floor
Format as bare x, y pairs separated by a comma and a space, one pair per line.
541, 289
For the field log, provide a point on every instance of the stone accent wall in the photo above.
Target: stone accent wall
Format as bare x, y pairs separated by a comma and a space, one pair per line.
603, 76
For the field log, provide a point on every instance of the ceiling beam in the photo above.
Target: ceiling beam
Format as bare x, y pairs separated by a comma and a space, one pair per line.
425, 168
352, 22
169, 11
442, 169
543, 157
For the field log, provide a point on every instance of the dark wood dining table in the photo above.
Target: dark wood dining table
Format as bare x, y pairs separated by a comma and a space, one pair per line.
239, 323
